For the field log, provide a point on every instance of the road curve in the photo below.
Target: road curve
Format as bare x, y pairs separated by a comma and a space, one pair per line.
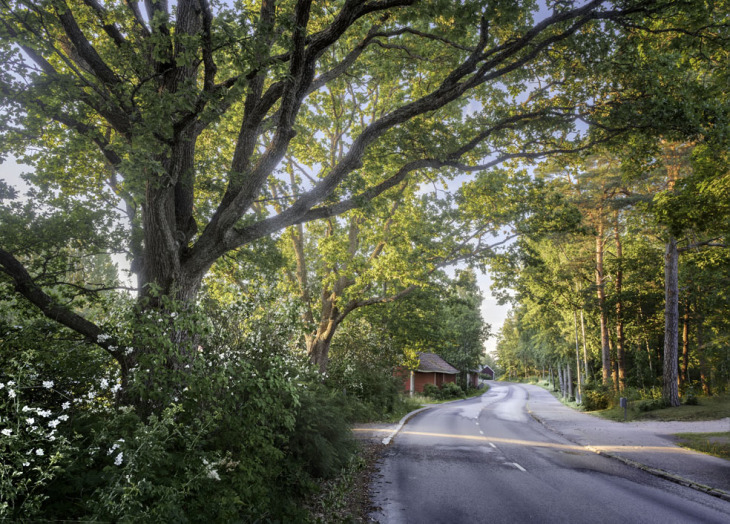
486, 460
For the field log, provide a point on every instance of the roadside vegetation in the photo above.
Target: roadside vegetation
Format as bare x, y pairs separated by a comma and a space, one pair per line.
238, 221
717, 444
642, 404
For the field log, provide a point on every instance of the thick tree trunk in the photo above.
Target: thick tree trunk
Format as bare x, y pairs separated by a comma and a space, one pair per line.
600, 291
319, 352
670, 392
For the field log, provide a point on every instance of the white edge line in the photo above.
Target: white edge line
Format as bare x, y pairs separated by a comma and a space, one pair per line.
515, 464
402, 422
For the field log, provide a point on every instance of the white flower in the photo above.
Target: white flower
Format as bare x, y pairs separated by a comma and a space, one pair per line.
30, 421
63, 418
2, 385
103, 337
48, 384
54, 423
66, 405
39, 452
7, 432
118, 460
213, 474
11, 393
11, 382
115, 388
173, 314
26, 464
44, 413
26, 409
104, 383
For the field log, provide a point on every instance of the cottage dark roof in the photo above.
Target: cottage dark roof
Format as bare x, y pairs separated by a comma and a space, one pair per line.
432, 363
487, 369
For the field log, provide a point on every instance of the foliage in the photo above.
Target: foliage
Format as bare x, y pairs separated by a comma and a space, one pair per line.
34, 449
447, 391
241, 435
431, 390
596, 397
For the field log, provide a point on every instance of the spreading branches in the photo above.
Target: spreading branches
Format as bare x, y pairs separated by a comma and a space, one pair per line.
25, 285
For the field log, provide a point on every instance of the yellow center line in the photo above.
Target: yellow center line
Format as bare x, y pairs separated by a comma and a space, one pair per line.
373, 430
550, 445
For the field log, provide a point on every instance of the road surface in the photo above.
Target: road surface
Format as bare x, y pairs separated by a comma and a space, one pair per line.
486, 460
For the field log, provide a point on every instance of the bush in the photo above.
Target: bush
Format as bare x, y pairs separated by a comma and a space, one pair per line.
231, 427
431, 391
451, 390
691, 399
650, 405
595, 397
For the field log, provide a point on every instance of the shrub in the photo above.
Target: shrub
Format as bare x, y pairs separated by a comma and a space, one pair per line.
236, 431
451, 390
595, 397
431, 391
650, 405
691, 399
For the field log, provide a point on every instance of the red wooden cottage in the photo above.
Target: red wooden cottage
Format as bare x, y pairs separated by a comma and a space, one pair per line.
432, 369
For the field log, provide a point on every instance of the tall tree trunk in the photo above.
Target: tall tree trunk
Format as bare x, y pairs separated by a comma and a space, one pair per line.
587, 375
642, 319
577, 356
614, 365
704, 369
601, 293
670, 392
620, 355
569, 380
684, 375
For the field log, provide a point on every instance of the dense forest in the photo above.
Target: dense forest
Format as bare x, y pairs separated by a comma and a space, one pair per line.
243, 215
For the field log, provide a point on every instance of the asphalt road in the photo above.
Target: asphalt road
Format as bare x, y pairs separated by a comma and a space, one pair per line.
486, 460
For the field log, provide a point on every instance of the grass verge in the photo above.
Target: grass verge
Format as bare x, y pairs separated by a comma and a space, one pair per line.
346, 498
717, 444
708, 408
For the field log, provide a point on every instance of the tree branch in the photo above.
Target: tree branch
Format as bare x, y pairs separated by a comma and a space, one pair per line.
30, 290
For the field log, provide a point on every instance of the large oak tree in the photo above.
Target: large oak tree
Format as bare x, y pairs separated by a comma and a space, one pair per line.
178, 115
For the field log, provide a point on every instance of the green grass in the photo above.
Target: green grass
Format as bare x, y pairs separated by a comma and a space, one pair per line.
709, 408
717, 444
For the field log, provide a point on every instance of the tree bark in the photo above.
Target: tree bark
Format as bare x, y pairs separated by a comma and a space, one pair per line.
620, 355
577, 356
587, 375
670, 391
569, 380
704, 369
684, 375
601, 294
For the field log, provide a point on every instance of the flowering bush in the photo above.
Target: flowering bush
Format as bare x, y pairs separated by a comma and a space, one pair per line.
32, 447
214, 424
